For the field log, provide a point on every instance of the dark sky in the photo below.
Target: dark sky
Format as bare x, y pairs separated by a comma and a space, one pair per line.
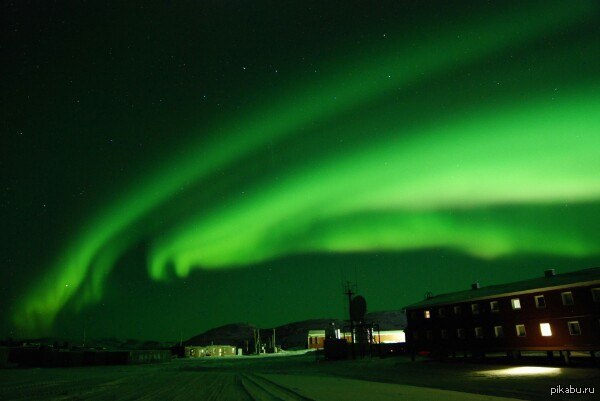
167, 168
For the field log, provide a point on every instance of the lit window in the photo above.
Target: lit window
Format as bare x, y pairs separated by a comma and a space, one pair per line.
540, 301
444, 334
567, 298
475, 309
520, 330
457, 309
516, 303
498, 331
545, 329
478, 332
460, 333
427, 314
574, 328
494, 306
596, 294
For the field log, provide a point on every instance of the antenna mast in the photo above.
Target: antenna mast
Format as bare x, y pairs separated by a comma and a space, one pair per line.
350, 290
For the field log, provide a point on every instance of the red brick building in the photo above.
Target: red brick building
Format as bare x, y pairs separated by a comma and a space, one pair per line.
549, 313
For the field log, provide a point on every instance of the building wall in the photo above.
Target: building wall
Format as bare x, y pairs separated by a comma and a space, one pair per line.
148, 356
385, 336
4, 351
209, 350
390, 336
316, 342
586, 311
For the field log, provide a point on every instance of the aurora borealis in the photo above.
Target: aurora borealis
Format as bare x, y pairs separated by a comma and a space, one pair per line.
411, 131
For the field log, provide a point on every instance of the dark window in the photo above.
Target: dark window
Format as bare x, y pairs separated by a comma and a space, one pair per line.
520, 330
475, 309
574, 328
457, 309
478, 332
567, 298
596, 294
540, 301
494, 306
498, 331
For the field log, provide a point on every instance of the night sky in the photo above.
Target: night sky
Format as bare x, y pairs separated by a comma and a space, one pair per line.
168, 168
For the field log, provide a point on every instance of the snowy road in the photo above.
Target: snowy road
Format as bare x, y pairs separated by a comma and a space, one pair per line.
290, 378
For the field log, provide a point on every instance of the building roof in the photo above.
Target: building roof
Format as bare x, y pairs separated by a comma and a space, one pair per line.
576, 278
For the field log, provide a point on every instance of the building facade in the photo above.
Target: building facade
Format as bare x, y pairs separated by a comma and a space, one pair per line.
389, 337
194, 351
549, 313
316, 338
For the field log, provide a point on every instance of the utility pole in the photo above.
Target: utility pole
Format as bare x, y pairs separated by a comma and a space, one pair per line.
349, 291
259, 342
84, 330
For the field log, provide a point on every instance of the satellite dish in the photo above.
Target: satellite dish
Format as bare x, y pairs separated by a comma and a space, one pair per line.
358, 308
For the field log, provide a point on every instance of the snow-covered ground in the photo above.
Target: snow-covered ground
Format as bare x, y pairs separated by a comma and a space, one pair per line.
297, 376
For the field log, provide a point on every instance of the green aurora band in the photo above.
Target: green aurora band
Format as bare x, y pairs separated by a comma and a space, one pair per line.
388, 177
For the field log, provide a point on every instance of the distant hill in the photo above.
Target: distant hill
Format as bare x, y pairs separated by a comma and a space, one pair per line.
388, 320
101, 343
292, 335
288, 336
230, 334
